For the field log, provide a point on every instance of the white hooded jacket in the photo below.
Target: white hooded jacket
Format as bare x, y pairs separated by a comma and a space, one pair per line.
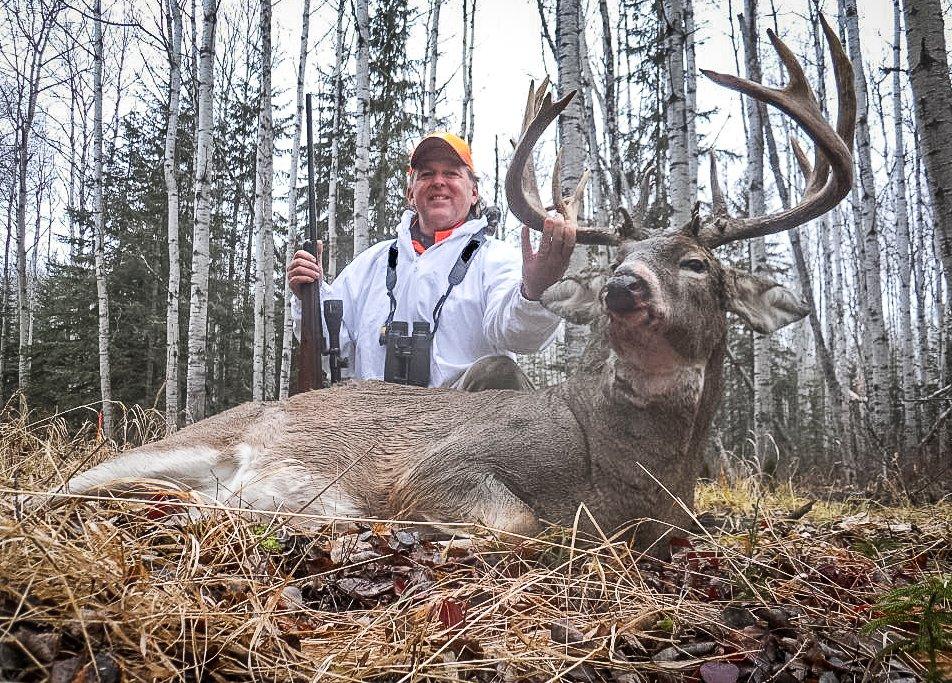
484, 315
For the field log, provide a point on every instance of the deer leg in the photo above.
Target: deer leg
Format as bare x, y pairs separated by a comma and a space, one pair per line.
493, 372
497, 507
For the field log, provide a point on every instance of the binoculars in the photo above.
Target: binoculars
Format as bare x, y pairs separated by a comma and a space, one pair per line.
408, 355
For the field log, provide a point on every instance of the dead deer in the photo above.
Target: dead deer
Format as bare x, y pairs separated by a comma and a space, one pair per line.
624, 436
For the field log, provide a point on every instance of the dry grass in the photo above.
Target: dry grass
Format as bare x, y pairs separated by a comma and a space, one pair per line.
141, 591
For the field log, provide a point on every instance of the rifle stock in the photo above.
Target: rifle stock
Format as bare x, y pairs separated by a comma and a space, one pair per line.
310, 372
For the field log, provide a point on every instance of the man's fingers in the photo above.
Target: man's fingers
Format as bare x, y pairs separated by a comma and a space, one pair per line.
303, 254
526, 244
545, 244
568, 243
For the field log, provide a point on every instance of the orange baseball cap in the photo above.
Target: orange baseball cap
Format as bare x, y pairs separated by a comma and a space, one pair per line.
454, 142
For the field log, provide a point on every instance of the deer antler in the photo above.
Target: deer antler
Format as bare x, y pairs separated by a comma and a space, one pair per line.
522, 190
831, 176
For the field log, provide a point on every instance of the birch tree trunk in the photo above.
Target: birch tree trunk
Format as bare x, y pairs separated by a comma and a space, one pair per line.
932, 91
756, 206
38, 27
433, 54
876, 339
362, 180
341, 59
572, 139
469, 39
5, 296
105, 384
680, 197
262, 385
204, 175
171, 188
806, 285
910, 431
287, 335
616, 172
690, 99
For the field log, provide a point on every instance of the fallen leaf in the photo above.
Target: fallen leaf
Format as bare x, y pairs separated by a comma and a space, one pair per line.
719, 672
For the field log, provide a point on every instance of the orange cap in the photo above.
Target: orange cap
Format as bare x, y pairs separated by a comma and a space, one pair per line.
454, 142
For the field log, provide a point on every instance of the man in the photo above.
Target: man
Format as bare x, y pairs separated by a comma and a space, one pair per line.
492, 314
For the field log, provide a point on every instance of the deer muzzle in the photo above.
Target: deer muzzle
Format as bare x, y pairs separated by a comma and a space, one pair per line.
626, 294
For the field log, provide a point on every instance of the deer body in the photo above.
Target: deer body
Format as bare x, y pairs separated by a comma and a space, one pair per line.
503, 458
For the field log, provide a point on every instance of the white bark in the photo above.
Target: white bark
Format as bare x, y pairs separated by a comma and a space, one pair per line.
99, 223
676, 129
910, 429
341, 59
29, 42
876, 340
617, 171
362, 167
204, 175
288, 333
932, 91
756, 206
433, 54
172, 333
572, 139
690, 98
262, 385
469, 40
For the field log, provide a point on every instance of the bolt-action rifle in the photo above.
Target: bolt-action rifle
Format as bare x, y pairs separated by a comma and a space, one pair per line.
310, 372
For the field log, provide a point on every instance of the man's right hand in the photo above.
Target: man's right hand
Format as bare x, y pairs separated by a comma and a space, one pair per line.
305, 269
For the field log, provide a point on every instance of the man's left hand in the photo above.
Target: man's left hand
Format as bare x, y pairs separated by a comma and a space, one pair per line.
543, 268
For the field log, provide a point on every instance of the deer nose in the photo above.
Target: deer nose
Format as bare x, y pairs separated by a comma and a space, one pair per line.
625, 293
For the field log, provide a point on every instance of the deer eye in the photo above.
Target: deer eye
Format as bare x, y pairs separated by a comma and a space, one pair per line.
695, 264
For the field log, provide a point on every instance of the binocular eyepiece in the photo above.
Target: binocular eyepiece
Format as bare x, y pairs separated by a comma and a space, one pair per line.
408, 355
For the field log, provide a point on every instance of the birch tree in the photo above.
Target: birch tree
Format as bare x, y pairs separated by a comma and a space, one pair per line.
680, 198
433, 54
332, 180
171, 187
876, 339
616, 171
572, 138
292, 242
99, 225
907, 355
690, 99
929, 77
262, 385
362, 182
757, 206
204, 175
467, 120
29, 29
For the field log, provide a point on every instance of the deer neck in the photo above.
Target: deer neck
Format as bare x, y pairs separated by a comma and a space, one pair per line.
635, 387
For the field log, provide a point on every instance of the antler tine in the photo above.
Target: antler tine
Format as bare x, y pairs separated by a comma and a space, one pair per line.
832, 175
644, 191
718, 203
522, 191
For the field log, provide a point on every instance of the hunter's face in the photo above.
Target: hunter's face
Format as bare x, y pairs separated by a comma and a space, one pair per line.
442, 192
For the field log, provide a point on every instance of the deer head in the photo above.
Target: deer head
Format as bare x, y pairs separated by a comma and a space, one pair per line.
665, 295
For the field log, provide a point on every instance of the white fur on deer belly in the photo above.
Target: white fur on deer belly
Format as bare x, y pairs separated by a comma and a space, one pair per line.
264, 482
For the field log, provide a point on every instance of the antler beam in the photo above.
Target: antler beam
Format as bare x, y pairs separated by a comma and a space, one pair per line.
522, 190
831, 177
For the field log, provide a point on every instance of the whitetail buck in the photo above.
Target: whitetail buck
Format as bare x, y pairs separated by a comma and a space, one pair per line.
508, 459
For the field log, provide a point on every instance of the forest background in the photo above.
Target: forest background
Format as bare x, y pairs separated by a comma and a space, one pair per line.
153, 184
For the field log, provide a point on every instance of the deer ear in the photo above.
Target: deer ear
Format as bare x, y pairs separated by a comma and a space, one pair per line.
575, 298
761, 303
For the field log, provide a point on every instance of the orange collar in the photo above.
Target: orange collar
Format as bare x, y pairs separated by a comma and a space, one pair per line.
438, 237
